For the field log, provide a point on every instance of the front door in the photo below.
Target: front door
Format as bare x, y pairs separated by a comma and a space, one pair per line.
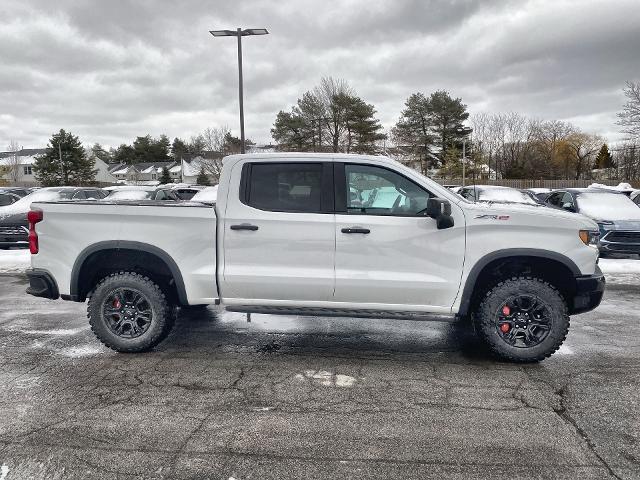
279, 233
389, 255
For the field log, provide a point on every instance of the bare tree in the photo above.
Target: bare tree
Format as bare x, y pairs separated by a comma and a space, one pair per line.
584, 148
215, 143
12, 163
629, 118
328, 94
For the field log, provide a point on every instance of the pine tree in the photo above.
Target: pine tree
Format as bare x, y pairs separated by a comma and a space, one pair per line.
165, 177
604, 158
74, 168
202, 178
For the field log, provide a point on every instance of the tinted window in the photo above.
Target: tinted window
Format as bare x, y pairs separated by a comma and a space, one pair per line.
79, 195
93, 194
286, 187
378, 191
7, 199
554, 199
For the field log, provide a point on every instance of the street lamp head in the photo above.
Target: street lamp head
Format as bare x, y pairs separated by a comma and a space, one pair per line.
463, 130
255, 31
223, 33
235, 33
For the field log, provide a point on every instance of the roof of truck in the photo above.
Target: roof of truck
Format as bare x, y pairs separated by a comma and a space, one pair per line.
305, 156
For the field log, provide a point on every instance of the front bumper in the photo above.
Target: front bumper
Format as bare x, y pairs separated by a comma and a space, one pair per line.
42, 284
589, 292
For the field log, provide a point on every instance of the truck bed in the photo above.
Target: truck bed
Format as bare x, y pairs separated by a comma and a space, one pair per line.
184, 233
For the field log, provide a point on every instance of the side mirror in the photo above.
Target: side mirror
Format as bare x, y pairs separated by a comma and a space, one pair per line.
440, 210
567, 206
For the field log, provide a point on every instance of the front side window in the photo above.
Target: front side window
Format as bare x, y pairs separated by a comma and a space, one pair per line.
378, 191
285, 187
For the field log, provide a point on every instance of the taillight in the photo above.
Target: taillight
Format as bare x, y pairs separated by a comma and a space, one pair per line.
33, 217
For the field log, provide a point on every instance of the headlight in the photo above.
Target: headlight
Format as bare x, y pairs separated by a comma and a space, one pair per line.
589, 237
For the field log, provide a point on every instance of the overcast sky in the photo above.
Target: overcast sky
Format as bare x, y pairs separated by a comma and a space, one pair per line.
111, 70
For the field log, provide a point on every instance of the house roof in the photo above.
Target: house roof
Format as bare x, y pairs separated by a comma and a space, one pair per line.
25, 152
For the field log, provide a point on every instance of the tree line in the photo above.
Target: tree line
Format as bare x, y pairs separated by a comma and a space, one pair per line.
429, 136
432, 128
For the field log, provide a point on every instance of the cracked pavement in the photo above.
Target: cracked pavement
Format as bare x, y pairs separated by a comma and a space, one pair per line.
302, 397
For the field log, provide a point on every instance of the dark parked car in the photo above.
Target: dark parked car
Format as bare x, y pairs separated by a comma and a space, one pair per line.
617, 216
14, 229
497, 194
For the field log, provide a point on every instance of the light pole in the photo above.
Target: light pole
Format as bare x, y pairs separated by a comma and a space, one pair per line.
240, 33
464, 131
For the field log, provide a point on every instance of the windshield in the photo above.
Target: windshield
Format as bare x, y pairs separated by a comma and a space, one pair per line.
505, 195
130, 195
209, 194
608, 206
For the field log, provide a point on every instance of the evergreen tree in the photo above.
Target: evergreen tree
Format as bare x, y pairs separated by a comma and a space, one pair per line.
415, 129
202, 178
124, 154
604, 158
101, 153
178, 149
446, 114
64, 163
165, 177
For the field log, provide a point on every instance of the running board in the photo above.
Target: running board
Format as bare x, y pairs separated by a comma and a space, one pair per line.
333, 312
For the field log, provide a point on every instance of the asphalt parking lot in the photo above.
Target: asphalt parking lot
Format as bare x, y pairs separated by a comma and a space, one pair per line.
285, 397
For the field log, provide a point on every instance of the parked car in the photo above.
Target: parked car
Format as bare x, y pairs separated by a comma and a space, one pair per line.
497, 194
13, 218
618, 218
635, 197
286, 236
137, 193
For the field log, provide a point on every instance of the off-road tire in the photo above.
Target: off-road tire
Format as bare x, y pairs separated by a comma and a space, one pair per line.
485, 319
163, 313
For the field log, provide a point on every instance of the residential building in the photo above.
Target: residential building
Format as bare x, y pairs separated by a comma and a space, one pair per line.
17, 169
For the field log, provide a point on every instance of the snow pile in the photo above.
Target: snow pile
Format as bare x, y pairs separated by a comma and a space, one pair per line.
621, 187
14, 261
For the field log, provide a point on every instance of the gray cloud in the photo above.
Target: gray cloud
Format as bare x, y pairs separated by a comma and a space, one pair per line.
109, 71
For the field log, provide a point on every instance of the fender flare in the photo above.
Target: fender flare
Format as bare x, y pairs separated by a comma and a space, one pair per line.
126, 245
469, 286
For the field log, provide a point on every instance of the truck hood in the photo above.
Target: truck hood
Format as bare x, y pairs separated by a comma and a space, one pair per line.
522, 210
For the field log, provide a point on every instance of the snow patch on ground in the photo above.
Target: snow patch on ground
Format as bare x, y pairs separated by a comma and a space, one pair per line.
81, 351
14, 261
612, 266
327, 379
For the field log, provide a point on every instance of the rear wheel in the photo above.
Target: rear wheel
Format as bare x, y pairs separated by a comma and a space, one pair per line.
128, 312
523, 319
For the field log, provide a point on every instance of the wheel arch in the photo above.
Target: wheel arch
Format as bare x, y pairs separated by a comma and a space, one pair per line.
539, 260
157, 261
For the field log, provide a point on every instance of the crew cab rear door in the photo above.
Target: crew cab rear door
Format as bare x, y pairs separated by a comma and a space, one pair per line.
279, 232
388, 253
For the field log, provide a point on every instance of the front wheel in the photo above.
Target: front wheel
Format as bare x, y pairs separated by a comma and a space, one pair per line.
128, 312
523, 319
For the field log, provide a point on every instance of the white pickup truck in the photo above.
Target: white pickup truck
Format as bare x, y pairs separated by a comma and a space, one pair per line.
320, 234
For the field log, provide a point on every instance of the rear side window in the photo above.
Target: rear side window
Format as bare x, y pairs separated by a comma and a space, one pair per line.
285, 187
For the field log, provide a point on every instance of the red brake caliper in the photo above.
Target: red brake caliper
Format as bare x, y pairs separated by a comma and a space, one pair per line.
116, 303
505, 327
